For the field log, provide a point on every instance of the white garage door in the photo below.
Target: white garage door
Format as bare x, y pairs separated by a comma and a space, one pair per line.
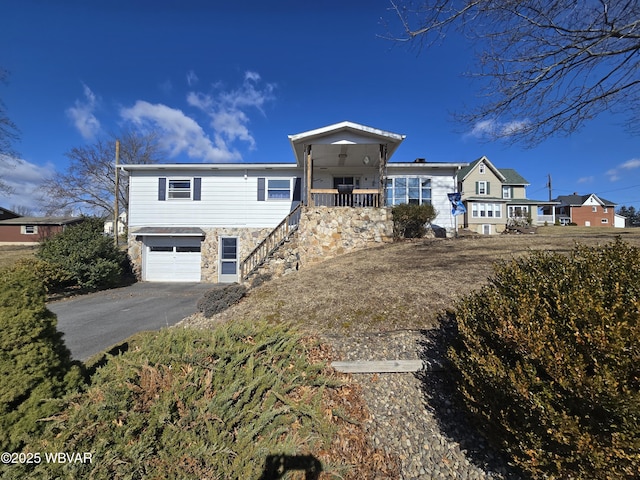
172, 259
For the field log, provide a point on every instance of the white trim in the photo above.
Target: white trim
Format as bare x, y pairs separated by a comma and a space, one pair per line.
181, 190
266, 189
209, 166
228, 278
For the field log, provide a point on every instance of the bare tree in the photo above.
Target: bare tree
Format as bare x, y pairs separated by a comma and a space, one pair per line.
551, 65
22, 210
8, 135
88, 185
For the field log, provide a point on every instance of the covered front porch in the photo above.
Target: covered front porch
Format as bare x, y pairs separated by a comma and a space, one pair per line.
345, 164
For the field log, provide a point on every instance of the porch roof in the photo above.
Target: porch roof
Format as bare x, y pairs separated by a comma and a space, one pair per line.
342, 140
169, 232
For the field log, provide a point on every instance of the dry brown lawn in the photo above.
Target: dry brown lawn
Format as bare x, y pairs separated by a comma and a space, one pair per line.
9, 254
405, 285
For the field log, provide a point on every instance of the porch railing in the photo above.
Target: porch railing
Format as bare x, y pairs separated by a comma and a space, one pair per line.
269, 245
546, 218
329, 197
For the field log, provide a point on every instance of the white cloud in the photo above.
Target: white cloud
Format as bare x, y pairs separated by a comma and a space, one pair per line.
616, 173
82, 114
589, 179
192, 78
226, 108
25, 180
179, 133
494, 129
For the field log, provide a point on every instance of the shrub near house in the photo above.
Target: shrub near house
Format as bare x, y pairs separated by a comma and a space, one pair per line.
35, 365
84, 257
548, 361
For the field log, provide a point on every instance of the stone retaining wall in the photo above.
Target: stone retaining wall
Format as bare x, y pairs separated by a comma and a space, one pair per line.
327, 232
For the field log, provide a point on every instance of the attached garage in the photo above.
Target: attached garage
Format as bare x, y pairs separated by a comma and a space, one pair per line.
172, 258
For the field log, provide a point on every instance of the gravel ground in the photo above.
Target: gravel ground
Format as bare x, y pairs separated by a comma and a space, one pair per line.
412, 414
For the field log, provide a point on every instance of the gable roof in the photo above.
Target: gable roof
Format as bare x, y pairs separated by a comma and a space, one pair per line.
464, 172
576, 200
344, 133
4, 213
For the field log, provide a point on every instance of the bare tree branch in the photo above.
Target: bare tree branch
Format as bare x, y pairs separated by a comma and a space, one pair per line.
88, 185
547, 65
9, 134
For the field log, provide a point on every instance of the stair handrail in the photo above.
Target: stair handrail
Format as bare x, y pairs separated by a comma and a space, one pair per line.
272, 241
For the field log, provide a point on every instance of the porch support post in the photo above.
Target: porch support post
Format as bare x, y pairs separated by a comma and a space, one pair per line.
382, 174
309, 179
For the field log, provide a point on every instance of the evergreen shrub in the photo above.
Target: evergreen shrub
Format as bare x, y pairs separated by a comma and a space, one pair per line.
35, 366
410, 220
52, 276
186, 403
86, 256
548, 360
219, 299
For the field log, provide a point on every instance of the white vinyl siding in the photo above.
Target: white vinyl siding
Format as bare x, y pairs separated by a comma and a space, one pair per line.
227, 198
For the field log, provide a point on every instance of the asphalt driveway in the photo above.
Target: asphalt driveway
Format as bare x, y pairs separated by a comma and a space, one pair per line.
96, 322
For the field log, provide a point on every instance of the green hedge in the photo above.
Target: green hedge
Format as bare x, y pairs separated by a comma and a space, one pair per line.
548, 361
35, 365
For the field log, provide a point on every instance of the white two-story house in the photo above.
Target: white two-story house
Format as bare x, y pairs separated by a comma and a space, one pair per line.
215, 222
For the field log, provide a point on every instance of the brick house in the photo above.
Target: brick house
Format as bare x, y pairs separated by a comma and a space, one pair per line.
588, 210
30, 230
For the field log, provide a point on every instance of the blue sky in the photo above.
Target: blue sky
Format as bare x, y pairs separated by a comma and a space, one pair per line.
229, 82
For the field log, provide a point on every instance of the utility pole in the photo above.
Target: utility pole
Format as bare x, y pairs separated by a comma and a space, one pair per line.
115, 197
549, 186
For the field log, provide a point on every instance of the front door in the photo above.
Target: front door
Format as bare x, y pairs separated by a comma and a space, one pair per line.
228, 268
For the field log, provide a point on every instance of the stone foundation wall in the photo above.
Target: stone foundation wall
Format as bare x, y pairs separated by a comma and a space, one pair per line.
323, 233
327, 232
135, 255
248, 239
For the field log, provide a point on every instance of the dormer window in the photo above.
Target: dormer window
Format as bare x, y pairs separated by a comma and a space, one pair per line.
481, 169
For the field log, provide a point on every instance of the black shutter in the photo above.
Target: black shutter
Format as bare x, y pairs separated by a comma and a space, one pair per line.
197, 188
162, 189
297, 190
261, 189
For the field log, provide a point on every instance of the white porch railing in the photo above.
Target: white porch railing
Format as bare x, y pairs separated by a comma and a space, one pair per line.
360, 197
545, 218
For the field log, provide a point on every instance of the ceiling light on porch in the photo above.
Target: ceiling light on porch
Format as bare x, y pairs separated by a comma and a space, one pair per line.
366, 160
